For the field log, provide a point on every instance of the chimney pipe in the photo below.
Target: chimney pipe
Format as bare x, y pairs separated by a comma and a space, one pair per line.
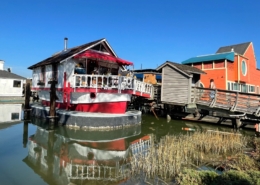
65, 43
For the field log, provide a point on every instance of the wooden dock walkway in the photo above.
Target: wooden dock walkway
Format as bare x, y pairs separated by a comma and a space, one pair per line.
232, 104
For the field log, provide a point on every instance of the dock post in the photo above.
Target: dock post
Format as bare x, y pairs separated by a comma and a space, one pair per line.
257, 129
236, 123
27, 109
53, 97
25, 133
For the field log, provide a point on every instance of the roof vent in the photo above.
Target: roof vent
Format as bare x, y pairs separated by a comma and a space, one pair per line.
65, 43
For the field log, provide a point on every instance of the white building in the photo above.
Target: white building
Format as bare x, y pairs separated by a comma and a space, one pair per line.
10, 83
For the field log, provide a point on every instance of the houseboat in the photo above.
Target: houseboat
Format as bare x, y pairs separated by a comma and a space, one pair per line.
89, 78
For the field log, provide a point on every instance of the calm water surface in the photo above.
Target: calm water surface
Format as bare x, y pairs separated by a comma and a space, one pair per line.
35, 153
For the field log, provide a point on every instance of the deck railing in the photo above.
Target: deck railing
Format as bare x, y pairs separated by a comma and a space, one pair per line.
112, 82
228, 100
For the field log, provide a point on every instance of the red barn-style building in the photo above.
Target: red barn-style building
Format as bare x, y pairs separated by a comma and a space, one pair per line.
232, 67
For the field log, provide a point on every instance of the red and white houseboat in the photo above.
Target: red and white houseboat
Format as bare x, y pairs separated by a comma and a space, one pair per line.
90, 78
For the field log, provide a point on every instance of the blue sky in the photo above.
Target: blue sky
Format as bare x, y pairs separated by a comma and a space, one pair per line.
146, 32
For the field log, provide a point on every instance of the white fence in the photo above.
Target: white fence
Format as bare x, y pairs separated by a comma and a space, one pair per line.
112, 82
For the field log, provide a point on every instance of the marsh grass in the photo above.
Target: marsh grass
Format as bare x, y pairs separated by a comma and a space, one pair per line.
167, 158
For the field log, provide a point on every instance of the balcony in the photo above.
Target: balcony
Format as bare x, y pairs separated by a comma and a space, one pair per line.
112, 82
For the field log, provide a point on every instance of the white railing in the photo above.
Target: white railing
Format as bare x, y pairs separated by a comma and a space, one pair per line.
112, 82
99, 172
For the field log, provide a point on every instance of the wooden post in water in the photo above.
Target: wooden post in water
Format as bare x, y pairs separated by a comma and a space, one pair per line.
25, 133
27, 109
53, 97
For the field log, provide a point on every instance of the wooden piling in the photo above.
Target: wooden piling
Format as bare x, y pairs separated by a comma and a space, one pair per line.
53, 97
27, 109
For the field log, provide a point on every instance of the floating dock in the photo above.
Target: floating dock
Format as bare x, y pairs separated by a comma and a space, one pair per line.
88, 120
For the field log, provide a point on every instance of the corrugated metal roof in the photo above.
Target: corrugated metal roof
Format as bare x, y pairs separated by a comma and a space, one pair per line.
237, 48
220, 56
6, 74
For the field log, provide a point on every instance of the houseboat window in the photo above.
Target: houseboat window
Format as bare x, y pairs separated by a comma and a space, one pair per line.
17, 83
79, 69
244, 68
229, 86
15, 116
236, 87
251, 88
114, 71
244, 88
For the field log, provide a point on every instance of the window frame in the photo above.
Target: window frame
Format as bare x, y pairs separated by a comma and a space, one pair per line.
18, 83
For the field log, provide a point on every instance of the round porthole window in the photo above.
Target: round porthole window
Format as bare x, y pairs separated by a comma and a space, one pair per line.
244, 68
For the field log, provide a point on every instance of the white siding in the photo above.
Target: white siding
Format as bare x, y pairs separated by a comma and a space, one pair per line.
69, 69
36, 76
60, 75
7, 87
48, 75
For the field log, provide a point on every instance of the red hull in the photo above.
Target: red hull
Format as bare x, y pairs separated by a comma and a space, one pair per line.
105, 107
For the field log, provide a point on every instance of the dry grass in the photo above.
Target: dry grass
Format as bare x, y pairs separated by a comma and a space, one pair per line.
172, 153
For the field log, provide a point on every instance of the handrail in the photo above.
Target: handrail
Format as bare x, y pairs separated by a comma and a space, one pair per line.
111, 82
228, 100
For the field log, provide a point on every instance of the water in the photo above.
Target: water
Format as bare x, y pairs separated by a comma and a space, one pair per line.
36, 153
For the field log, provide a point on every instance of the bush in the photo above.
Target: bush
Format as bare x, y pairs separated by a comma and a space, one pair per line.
194, 177
232, 177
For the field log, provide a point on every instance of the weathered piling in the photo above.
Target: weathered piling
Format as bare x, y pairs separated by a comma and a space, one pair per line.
25, 133
53, 97
27, 109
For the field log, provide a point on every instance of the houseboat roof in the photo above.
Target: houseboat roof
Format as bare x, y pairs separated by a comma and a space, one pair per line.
83, 51
180, 67
6, 74
145, 71
237, 48
205, 58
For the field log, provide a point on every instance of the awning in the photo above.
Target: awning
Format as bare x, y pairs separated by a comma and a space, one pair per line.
103, 57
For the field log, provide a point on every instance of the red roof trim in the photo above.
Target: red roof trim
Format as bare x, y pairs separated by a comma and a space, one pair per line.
100, 56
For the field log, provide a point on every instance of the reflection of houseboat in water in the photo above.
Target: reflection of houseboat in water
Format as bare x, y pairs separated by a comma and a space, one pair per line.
60, 158
10, 112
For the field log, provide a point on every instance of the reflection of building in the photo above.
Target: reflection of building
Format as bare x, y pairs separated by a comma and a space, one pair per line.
60, 158
10, 83
10, 112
